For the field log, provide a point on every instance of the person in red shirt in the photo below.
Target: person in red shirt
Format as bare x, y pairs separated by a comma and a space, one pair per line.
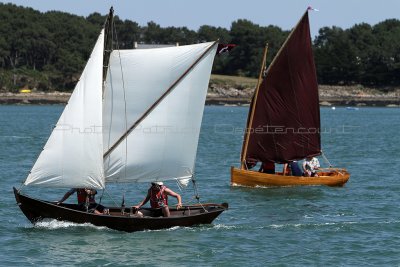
86, 200
158, 195
267, 167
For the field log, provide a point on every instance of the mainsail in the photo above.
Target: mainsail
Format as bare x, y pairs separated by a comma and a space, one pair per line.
73, 155
163, 144
286, 121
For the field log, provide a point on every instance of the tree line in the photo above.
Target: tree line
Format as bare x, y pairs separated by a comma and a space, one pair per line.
49, 50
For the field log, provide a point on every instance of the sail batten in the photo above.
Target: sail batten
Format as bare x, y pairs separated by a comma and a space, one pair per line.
286, 122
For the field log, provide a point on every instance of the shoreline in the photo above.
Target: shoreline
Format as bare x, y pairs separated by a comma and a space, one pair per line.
41, 98
324, 102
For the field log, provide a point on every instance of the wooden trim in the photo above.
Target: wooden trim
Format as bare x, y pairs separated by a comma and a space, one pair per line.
250, 178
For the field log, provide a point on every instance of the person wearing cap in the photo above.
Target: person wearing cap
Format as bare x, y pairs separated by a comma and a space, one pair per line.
158, 195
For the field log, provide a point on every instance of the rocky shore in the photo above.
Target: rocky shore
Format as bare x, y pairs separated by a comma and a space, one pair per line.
226, 95
329, 96
36, 98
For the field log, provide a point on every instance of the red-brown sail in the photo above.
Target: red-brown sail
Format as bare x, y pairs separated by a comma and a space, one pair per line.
286, 121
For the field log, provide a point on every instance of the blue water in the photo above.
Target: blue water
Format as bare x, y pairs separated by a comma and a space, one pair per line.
358, 224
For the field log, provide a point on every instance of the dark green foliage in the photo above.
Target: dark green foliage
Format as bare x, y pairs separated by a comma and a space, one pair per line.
363, 54
48, 50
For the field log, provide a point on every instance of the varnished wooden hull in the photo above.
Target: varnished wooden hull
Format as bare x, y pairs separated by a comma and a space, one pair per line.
36, 210
330, 177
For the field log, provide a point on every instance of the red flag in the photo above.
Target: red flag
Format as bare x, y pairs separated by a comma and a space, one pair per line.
223, 48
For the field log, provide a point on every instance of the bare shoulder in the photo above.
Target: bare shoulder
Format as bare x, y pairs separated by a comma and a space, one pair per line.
169, 191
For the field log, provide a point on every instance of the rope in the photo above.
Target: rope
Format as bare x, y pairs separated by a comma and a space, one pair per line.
101, 197
22, 185
179, 186
115, 203
124, 91
196, 193
125, 111
326, 159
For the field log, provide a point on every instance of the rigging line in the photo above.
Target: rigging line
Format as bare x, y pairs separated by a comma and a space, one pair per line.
108, 47
179, 186
195, 189
109, 195
20, 187
124, 91
101, 197
197, 193
326, 159
158, 101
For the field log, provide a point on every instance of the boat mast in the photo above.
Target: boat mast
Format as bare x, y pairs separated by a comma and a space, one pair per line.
108, 41
158, 101
250, 120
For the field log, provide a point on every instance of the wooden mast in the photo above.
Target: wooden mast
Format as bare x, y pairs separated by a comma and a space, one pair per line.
248, 128
155, 104
108, 41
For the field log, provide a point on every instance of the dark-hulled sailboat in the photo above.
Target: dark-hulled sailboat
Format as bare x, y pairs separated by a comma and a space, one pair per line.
283, 124
134, 116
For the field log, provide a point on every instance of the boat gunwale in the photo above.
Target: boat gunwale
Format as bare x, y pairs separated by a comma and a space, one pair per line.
254, 178
213, 208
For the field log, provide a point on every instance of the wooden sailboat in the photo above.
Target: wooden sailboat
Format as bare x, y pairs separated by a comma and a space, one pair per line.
283, 124
134, 116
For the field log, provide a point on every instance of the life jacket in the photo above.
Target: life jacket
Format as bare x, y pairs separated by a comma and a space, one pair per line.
157, 197
81, 194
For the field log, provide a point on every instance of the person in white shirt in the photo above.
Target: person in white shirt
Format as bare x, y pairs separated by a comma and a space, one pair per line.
310, 166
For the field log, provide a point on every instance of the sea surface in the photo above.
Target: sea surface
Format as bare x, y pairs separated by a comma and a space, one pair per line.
354, 225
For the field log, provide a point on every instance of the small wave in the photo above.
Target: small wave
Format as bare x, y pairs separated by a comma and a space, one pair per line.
334, 215
299, 225
223, 227
54, 224
389, 222
168, 229
164, 229
16, 137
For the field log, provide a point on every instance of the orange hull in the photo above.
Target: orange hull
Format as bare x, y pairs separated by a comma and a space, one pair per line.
329, 177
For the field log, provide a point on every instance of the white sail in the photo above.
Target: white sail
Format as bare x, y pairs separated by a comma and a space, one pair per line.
73, 155
164, 144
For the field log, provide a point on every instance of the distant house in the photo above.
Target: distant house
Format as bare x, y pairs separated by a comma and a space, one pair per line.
149, 46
